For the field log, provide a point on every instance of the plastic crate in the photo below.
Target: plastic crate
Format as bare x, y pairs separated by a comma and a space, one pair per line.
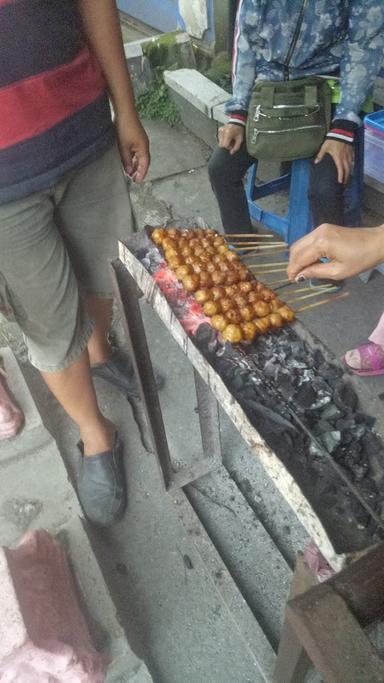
374, 145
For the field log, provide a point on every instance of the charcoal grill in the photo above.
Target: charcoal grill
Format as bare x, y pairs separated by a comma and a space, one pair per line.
343, 515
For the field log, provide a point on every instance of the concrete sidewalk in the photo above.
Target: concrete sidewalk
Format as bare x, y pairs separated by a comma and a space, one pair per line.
171, 588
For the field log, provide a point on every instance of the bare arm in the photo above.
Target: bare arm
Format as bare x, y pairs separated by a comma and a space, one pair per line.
102, 29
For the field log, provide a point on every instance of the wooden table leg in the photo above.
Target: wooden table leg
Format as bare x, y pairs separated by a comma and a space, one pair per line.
292, 663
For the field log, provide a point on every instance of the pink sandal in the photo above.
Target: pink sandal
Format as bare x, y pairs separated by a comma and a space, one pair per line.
372, 360
11, 417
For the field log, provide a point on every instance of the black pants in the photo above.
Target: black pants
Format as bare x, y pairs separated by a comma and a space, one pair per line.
227, 171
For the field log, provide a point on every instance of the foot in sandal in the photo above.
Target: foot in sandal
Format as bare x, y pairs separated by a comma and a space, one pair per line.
11, 417
366, 360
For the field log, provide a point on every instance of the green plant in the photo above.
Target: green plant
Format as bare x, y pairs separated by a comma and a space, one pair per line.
219, 71
157, 103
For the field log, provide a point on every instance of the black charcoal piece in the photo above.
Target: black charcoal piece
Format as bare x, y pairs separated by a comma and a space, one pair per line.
348, 397
204, 334
269, 414
321, 386
348, 436
331, 412
376, 465
359, 472
359, 431
371, 443
305, 395
286, 387
331, 440
322, 400
239, 379
318, 358
322, 426
270, 368
306, 376
345, 423
297, 365
296, 349
368, 420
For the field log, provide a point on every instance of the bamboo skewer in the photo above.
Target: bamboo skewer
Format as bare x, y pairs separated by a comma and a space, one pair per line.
268, 265
254, 243
309, 296
249, 234
272, 270
258, 247
280, 250
324, 288
320, 303
277, 282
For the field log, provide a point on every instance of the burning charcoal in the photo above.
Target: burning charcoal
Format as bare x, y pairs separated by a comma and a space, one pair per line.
331, 440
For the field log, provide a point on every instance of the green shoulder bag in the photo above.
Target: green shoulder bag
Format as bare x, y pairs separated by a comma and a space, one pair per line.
288, 120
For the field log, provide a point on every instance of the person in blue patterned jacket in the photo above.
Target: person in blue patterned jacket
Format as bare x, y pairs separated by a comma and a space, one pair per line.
288, 39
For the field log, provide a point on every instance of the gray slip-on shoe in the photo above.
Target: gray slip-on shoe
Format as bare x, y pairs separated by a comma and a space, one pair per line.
101, 485
118, 370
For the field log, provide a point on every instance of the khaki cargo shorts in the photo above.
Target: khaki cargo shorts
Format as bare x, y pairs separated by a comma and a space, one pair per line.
54, 250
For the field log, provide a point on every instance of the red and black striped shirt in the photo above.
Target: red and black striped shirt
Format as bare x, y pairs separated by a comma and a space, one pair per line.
54, 109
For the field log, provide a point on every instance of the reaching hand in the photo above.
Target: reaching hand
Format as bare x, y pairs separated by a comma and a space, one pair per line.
231, 137
134, 147
342, 155
350, 251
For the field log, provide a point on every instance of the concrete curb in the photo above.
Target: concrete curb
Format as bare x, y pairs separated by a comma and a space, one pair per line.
200, 101
138, 56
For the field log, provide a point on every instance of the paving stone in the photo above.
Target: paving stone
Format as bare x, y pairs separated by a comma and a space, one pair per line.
173, 150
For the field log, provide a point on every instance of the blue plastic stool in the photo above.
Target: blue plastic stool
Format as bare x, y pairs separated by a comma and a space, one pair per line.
298, 221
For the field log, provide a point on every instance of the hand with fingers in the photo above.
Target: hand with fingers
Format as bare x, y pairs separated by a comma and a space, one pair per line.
231, 137
342, 155
134, 147
349, 251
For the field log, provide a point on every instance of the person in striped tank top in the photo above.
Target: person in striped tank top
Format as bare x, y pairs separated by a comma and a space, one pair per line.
63, 206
